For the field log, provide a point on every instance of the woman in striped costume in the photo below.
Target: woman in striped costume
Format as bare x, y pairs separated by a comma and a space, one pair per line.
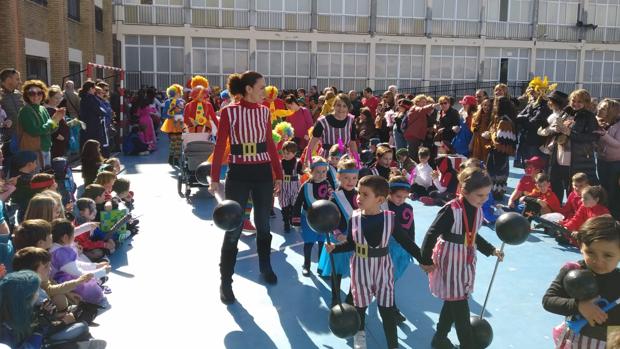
450, 247
503, 142
252, 163
331, 128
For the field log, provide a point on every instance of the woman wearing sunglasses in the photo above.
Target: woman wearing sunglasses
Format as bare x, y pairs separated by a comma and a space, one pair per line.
34, 124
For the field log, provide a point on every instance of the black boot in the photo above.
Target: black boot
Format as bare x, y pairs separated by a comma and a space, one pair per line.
286, 217
227, 269
263, 246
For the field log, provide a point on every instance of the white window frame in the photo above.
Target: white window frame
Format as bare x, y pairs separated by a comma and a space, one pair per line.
492, 17
437, 59
521, 56
343, 8
541, 56
154, 48
283, 75
455, 3
415, 59
402, 5
220, 5
340, 76
562, 18
593, 58
605, 9
283, 3
220, 73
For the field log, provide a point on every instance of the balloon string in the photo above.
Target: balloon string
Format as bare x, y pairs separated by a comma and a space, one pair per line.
486, 299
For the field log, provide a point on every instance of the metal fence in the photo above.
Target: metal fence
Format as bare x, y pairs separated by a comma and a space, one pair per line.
459, 89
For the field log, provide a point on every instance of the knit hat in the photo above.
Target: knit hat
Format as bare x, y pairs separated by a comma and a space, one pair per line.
402, 152
558, 98
468, 100
22, 158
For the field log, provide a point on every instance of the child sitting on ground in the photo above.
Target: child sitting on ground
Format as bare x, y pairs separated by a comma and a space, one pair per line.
23, 166
369, 232
95, 243
541, 201
106, 179
579, 182
404, 161
526, 184
66, 266
599, 242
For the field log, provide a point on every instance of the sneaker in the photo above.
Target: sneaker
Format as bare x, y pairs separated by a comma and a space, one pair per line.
441, 343
305, 271
248, 227
359, 340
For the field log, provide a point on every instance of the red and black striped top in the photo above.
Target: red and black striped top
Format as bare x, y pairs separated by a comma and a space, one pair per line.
245, 123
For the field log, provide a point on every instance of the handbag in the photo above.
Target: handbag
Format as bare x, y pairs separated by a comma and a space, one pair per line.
27, 141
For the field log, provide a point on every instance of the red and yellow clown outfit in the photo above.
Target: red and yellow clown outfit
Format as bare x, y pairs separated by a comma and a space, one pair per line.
199, 115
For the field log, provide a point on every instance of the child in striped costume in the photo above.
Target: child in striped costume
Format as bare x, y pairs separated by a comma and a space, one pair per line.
316, 188
399, 192
346, 200
290, 185
599, 239
372, 274
450, 249
382, 166
335, 152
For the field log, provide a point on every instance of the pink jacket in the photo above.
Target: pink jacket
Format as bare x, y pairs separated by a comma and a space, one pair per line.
609, 144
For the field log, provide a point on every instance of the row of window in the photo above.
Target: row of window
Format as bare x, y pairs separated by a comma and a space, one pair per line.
288, 61
559, 12
73, 12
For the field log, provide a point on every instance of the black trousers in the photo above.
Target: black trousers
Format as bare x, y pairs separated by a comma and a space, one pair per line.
262, 195
457, 313
389, 323
560, 181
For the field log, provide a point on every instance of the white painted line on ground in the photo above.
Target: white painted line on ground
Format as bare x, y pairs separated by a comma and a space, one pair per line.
281, 249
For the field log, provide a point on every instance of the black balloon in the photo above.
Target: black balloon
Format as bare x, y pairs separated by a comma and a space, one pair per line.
512, 228
323, 216
483, 332
228, 215
344, 321
202, 173
580, 284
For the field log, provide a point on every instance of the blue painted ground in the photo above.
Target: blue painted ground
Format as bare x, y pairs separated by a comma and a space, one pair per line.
165, 283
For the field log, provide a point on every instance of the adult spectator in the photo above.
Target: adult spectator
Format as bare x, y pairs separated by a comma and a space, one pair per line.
529, 120
393, 89
356, 103
103, 93
449, 118
481, 95
11, 101
35, 126
60, 137
301, 121
93, 116
370, 101
608, 157
71, 100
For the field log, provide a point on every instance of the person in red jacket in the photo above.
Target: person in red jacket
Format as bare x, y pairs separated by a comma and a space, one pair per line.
579, 182
545, 198
252, 163
414, 126
199, 115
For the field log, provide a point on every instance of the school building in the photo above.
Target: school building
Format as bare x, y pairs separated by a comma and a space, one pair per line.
357, 43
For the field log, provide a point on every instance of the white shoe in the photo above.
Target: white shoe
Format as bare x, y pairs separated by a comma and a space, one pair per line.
359, 340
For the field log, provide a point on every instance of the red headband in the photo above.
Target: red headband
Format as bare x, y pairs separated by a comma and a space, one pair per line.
40, 185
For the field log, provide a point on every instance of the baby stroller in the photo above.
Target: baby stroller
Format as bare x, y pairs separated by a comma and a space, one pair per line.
196, 149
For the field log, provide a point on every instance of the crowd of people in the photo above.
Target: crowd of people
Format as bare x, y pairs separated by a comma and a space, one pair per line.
56, 241
367, 154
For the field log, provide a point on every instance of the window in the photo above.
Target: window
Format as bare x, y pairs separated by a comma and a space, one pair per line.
602, 66
223, 4
98, 19
156, 60
561, 12
285, 64
217, 58
73, 9
559, 65
303, 6
513, 11
344, 7
399, 62
342, 65
517, 60
454, 63
457, 9
36, 68
604, 13
40, 2
401, 8
75, 73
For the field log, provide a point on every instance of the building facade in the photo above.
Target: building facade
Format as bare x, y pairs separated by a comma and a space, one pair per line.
357, 43
54, 40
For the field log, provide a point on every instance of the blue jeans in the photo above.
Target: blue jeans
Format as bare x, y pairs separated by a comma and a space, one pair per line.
70, 333
399, 140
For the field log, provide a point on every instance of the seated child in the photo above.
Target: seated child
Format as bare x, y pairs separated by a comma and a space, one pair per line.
95, 243
106, 180
573, 202
369, 231
66, 266
96, 192
134, 143
599, 242
424, 180
43, 206
293, 170
383, 163
33, 232
541, 201
526, 184
404, 161
23, 166
445, 181
64, 180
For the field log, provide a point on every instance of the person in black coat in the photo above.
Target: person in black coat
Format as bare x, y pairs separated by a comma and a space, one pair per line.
529, 120
93, 116
449, 118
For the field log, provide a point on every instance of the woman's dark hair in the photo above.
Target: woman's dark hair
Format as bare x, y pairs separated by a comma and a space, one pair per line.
601, 228
86, 86
91, 159
61, 227
473, 178
503, 106
596, 192
238, 82
290, 99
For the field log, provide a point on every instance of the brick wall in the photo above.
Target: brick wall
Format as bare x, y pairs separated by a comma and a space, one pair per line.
33, 18
12, 43
58, 39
